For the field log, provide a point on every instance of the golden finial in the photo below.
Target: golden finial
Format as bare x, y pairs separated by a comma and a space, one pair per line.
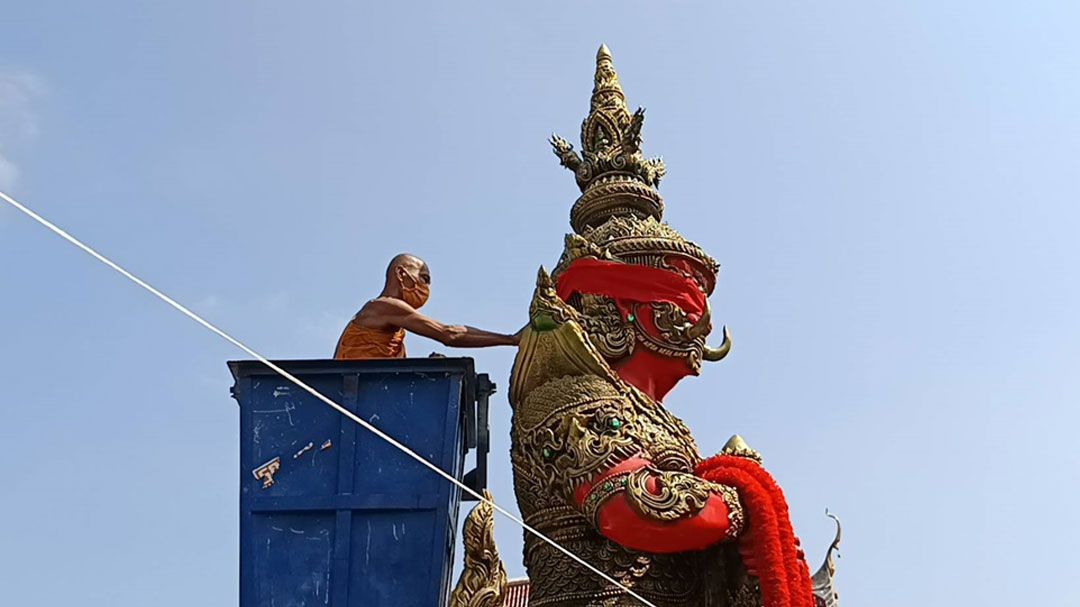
614, 177
543, 279
607, 95
737, 446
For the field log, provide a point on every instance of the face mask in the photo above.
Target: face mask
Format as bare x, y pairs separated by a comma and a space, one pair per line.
416, 295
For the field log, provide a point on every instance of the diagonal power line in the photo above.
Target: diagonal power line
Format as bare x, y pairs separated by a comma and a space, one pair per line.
292, 378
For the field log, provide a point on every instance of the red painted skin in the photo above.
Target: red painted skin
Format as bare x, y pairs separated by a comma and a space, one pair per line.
652, 373
621, 524
631, 287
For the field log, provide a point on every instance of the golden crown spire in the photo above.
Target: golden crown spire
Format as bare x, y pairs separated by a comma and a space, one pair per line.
614, 177
608, 114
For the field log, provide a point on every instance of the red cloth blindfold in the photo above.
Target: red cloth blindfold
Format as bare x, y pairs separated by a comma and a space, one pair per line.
631, 283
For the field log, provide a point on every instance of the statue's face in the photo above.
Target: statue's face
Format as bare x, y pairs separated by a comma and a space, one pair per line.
668, 345
651, 344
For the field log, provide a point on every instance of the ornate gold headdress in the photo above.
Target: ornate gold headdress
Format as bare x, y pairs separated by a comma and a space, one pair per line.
614, 177
619, 213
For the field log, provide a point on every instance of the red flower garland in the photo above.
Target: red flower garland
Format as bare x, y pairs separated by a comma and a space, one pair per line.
798, 571
782, 574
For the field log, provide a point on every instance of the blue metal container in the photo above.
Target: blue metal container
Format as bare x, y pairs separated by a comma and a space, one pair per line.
332, 515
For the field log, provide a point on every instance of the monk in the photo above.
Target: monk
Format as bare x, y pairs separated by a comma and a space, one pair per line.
378, 329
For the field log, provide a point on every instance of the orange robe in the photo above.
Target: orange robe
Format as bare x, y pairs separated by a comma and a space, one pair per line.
358, 342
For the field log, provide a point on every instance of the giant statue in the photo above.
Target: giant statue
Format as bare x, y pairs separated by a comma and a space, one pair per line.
600, 465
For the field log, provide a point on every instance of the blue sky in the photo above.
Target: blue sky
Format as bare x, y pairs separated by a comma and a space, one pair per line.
891, 187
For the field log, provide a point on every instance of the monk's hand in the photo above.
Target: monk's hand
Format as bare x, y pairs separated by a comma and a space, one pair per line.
516, 337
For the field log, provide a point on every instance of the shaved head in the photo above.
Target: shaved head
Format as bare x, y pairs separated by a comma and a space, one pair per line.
416, 268
405, 260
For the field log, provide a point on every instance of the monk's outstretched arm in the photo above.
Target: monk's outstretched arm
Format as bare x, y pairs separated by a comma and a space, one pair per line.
462, 336
401, 314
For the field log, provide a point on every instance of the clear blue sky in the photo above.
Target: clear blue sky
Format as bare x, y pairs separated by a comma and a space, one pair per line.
892, 189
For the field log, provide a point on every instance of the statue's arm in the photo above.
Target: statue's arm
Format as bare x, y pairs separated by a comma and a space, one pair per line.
644, 508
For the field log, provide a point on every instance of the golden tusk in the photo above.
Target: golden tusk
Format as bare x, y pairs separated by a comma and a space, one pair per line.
714, 354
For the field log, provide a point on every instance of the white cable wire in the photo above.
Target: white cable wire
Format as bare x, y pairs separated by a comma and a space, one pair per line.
342, 410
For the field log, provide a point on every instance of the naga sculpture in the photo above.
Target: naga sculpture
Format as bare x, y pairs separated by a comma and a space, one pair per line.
483, 578
600, 465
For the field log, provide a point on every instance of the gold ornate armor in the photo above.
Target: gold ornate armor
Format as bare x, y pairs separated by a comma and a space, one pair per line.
573, 419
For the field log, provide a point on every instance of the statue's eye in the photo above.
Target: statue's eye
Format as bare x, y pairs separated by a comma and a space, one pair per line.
606, 421
548, 453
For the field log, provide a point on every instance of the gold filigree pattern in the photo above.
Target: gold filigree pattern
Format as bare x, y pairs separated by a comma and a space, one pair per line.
613, 175
577, 247
615, 337
679, 338
483, 579
665, 580
606, 327
546, 310
610, 135
604, 490
626, 235
675, 327
747, 594
676, 494
576, 440
642, 241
